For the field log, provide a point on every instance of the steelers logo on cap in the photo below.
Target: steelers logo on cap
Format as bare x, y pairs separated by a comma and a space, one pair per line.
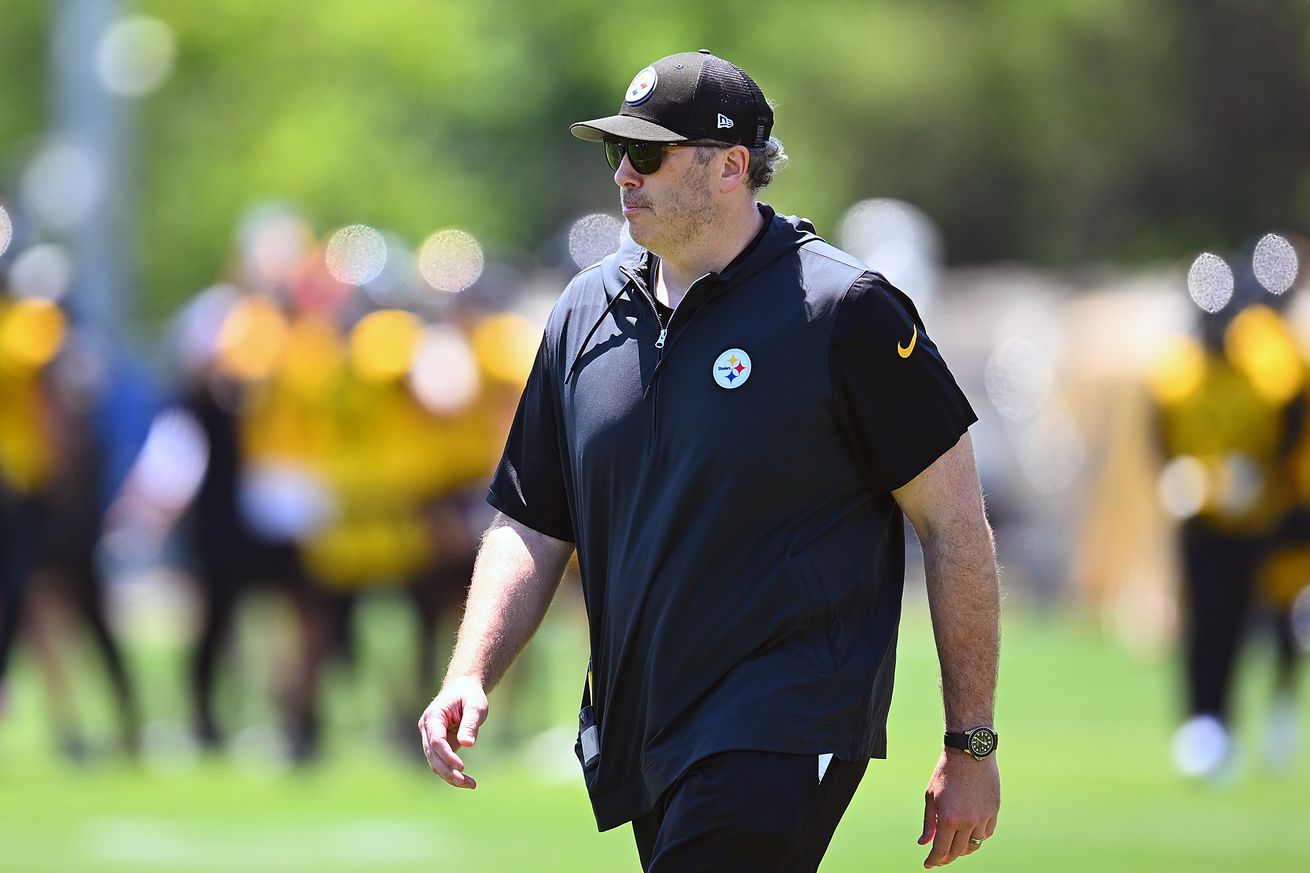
643, 85
732, 369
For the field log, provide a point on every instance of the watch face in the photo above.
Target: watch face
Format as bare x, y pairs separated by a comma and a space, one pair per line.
982, 742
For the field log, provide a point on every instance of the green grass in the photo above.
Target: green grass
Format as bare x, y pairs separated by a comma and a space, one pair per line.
1084, 729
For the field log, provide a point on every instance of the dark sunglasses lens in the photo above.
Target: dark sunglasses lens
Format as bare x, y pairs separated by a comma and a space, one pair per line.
614, 153
645, 156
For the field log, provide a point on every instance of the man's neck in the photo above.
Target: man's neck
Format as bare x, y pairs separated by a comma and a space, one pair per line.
677, 271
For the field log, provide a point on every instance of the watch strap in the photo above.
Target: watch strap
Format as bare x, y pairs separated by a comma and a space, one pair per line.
956, 740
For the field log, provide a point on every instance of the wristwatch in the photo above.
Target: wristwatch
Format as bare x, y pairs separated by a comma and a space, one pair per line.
979, 742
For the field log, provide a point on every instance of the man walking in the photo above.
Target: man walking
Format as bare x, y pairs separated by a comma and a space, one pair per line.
727, 419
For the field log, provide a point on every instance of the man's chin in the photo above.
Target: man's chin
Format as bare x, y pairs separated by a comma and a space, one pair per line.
640, 234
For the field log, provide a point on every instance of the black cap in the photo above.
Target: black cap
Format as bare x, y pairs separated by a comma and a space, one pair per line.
688, 96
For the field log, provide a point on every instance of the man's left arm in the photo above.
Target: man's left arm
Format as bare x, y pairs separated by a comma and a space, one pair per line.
944, 503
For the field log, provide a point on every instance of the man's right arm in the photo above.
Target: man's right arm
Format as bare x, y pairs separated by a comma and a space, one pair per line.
517, 573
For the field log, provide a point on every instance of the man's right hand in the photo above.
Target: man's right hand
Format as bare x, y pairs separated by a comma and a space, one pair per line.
452, 720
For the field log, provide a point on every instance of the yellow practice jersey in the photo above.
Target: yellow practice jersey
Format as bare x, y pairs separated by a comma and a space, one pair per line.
1230, 416
31, 333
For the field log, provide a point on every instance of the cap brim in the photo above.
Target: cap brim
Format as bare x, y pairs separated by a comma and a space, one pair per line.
623, 127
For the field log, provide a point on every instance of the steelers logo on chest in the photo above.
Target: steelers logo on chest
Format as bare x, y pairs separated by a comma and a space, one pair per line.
732, 369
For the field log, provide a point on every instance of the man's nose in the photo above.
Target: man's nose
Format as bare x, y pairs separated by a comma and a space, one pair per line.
625, 176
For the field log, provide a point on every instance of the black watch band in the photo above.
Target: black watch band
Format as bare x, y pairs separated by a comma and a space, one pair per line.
978, 742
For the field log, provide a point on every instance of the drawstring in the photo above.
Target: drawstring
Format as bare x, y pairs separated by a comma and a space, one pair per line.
596, 326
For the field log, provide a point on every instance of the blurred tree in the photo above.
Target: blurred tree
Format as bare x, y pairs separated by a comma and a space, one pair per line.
23, 46
1062, 131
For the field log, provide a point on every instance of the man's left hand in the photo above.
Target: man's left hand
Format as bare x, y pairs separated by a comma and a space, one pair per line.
960, 806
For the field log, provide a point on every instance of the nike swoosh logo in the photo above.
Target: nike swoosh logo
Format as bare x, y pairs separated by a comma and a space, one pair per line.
904, 351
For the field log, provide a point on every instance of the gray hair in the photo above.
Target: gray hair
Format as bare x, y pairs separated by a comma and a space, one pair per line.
765, 161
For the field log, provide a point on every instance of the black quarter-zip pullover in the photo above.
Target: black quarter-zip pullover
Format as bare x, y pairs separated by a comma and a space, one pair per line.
726, 477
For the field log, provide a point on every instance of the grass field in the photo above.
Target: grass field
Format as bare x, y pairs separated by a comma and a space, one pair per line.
1087, 785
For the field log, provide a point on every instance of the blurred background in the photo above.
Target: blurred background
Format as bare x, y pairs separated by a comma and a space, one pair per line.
272, 276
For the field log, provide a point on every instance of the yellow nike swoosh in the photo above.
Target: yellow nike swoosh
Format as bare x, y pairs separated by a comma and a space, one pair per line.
904, 351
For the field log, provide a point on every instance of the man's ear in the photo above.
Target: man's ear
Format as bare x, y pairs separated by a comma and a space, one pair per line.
736, 163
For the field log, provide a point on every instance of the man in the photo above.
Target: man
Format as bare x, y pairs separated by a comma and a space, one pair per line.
728, 417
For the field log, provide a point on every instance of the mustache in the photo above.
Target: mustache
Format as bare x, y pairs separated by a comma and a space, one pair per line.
629, 201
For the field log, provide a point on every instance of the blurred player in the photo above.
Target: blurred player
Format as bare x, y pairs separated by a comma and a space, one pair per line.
411, 448
32, 332
1231, 408
241, 513
53, 514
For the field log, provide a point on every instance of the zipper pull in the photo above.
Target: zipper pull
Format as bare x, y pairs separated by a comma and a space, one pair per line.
659, 343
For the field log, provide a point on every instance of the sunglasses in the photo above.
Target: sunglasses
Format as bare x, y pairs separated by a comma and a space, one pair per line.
645, 157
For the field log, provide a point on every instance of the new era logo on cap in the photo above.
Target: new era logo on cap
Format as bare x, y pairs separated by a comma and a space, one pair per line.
724, 121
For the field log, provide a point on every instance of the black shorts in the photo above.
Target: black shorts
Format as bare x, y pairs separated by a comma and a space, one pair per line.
753, 812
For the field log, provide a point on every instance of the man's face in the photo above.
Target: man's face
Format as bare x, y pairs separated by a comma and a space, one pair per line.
670, 207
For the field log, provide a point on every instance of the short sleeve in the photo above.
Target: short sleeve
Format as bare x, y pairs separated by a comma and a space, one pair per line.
896, 400
529, 483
